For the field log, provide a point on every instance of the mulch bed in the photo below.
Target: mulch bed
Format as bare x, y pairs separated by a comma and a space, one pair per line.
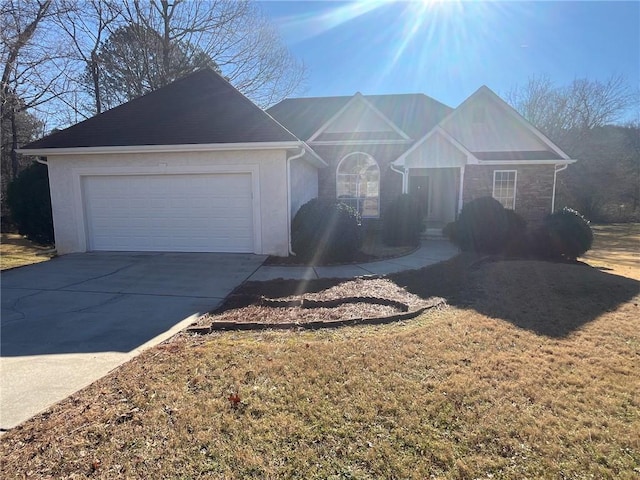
373, 250
366, 300
324, 303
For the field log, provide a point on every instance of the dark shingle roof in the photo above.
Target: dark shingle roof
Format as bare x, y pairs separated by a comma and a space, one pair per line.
518, 155
414, 113
199, 108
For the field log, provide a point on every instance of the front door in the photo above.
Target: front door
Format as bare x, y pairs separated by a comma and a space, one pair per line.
419, 189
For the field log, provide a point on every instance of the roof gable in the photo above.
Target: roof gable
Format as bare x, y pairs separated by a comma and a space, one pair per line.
201, 108
486, 124
413, 113
355, 119
437, 149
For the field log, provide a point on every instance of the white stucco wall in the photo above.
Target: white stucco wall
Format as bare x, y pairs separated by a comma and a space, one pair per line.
267, 167
304, 184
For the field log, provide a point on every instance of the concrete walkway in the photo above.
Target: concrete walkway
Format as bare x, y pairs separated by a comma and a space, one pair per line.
430, 252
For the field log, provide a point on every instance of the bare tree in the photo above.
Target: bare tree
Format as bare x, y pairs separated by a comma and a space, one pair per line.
566, 113
234, 35
581, 117
33, 69
132, 62
86, 24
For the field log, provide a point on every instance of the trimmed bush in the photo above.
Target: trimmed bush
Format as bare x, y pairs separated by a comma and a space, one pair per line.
326, 231
402, 222
485, 226
516, 242
564, 234
29, 200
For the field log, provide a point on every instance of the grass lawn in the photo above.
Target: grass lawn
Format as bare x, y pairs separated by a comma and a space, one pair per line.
17, 251
616, 249
530, 371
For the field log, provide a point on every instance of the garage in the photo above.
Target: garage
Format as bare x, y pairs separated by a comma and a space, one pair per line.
191, 167
171, 212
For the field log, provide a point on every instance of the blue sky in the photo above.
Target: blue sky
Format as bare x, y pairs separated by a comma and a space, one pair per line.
449, 49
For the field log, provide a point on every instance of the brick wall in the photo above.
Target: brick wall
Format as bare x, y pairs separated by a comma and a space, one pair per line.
390, 181
534, 187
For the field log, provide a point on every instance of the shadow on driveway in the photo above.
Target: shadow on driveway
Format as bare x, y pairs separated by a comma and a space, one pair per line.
111, 302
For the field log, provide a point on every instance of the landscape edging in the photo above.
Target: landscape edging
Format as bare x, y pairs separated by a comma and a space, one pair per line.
236, 326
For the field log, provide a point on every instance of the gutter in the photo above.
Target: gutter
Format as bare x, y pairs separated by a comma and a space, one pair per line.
190, 147
555, 175
294, 157
524, 162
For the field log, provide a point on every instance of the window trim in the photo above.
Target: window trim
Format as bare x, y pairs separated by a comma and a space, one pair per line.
338, 175
515, 185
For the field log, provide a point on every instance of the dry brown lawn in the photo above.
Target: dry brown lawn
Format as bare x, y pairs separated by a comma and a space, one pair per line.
616, 249
17, 251
532, 370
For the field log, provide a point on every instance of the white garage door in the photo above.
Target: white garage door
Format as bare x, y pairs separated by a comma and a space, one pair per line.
179, 213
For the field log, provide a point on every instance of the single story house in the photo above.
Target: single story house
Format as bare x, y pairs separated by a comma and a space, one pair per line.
196, 166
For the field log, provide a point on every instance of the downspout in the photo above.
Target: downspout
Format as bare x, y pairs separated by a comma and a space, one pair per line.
555, 175
404, 176
41, 161
461, 189
294, 157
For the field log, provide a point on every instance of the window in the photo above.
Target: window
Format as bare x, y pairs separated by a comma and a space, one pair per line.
504, 187
358, 183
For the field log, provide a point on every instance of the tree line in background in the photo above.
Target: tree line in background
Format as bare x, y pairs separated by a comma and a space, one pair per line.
66, 60
584, 119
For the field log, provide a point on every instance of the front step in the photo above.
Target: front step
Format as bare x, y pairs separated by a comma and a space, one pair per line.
432, 233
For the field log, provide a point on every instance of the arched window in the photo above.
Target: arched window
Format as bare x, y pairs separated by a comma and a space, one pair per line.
358, 183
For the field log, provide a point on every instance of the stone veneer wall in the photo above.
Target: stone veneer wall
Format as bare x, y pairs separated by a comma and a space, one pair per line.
534, 187
390, 181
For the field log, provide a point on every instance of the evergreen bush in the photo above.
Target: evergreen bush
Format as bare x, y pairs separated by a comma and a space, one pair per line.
564, 234
482, 226
402, 222
29, 201
326, 231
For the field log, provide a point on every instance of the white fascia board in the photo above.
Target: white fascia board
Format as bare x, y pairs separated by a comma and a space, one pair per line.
358, 97
523, 121
360, 142
312, 157
383, 117
510, 111
506, 163
196, 147
471, 159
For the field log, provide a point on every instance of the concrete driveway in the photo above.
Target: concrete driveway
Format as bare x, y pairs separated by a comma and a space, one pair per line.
67, 322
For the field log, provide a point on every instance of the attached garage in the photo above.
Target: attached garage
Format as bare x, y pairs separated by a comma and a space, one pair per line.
191, 167
180, 213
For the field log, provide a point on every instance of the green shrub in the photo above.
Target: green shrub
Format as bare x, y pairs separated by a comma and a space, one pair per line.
485, 226
516, 242
326, 231
402, 222
564, 234
29, 200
